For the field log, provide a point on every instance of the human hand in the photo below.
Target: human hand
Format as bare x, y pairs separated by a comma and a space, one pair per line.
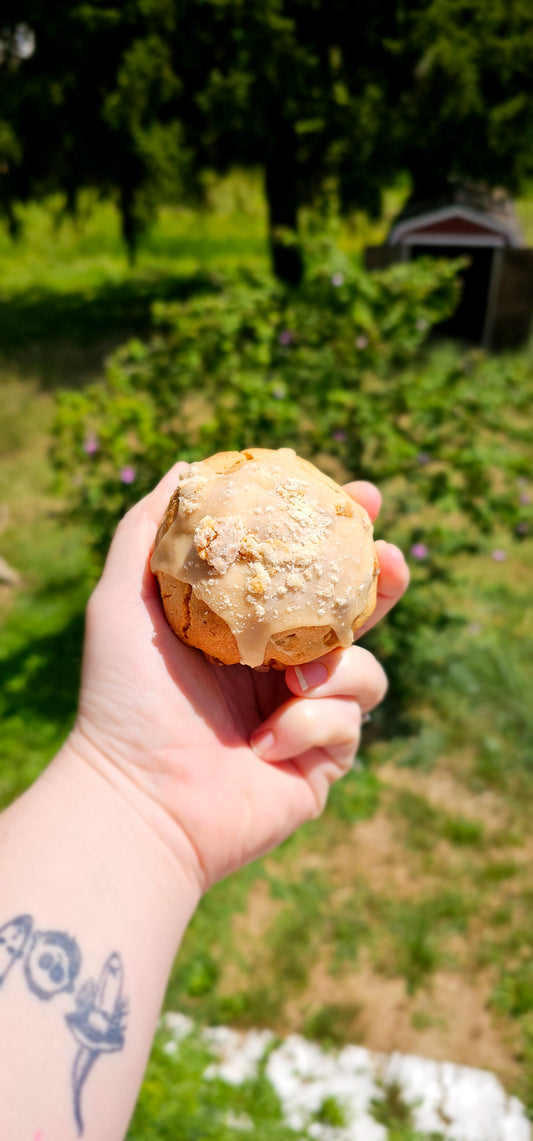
180, 736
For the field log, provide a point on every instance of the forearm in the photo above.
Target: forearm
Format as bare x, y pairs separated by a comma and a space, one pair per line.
88, 891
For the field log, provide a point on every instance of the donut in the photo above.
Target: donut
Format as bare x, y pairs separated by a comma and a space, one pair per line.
264, 560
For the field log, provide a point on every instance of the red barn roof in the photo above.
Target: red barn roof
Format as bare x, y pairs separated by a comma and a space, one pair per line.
467, 219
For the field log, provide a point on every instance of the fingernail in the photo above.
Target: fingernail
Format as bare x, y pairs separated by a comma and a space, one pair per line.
397, 555
261, 743
313, 673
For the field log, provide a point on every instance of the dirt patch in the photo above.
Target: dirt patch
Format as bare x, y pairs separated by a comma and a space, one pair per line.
377, 859
449, 1021
253, 924
449, 1017
443, 792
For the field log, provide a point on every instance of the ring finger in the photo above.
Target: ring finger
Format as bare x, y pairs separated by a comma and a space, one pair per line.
298, 726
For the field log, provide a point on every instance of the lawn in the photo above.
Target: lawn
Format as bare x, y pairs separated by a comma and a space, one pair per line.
403, 919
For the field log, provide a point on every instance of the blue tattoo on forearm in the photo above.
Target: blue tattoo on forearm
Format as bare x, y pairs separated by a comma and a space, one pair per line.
97, 1025
51, 962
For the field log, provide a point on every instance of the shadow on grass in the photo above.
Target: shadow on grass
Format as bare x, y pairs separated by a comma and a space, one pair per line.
40, 679
42, 319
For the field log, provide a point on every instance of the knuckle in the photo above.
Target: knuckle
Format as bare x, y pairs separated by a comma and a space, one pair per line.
307, 714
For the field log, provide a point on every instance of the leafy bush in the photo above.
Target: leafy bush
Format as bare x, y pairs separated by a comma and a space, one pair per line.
336, 369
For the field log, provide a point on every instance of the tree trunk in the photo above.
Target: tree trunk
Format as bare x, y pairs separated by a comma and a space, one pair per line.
127, 216
282, 197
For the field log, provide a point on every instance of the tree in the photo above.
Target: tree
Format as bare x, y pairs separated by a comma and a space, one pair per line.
83, 107
326, 96
465, 97
294, 86
113, 93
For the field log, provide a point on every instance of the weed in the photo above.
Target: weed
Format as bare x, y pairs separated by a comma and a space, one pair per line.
356, 797
514, 993
498, 871
423, 1020
331, 1113
419, 816
391, 1109
419, 932
425, 748
424, 823
461, 831
346, 930
333, 1024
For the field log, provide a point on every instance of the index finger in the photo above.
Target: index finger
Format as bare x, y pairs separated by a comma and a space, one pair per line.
134, 537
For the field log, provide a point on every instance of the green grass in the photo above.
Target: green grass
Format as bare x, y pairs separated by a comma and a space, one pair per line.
178, 1102
424, 823
332, 1024
464, 905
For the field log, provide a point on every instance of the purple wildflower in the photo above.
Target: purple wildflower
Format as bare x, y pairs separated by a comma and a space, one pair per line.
423, 458
522, 528
339, 436
498, 555
361, 342
337, 279
419, 551
127, 474
90, 444
525, 498
285, 337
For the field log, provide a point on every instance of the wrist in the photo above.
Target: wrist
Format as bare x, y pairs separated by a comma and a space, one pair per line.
123, 819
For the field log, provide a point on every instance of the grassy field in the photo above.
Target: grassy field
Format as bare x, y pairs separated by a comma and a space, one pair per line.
403, 919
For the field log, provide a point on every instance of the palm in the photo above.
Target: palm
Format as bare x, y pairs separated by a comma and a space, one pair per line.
198, 718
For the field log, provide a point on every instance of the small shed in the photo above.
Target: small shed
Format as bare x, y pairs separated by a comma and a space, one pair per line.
496, 305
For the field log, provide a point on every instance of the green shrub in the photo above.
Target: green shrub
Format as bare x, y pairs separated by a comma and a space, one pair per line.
337, 370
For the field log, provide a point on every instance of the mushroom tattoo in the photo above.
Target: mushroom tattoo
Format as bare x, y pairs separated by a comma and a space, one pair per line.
13, 939
97, 1024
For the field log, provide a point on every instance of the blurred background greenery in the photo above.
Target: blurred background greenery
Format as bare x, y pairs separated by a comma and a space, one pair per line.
187, 190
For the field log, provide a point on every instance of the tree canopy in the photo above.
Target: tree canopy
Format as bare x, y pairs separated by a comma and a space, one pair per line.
139, 98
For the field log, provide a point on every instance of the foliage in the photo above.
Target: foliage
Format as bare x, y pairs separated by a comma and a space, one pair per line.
417, 929
183, 1097
286, 86
178, 1101
393, 1111
469, 61
336, 370
77, 126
